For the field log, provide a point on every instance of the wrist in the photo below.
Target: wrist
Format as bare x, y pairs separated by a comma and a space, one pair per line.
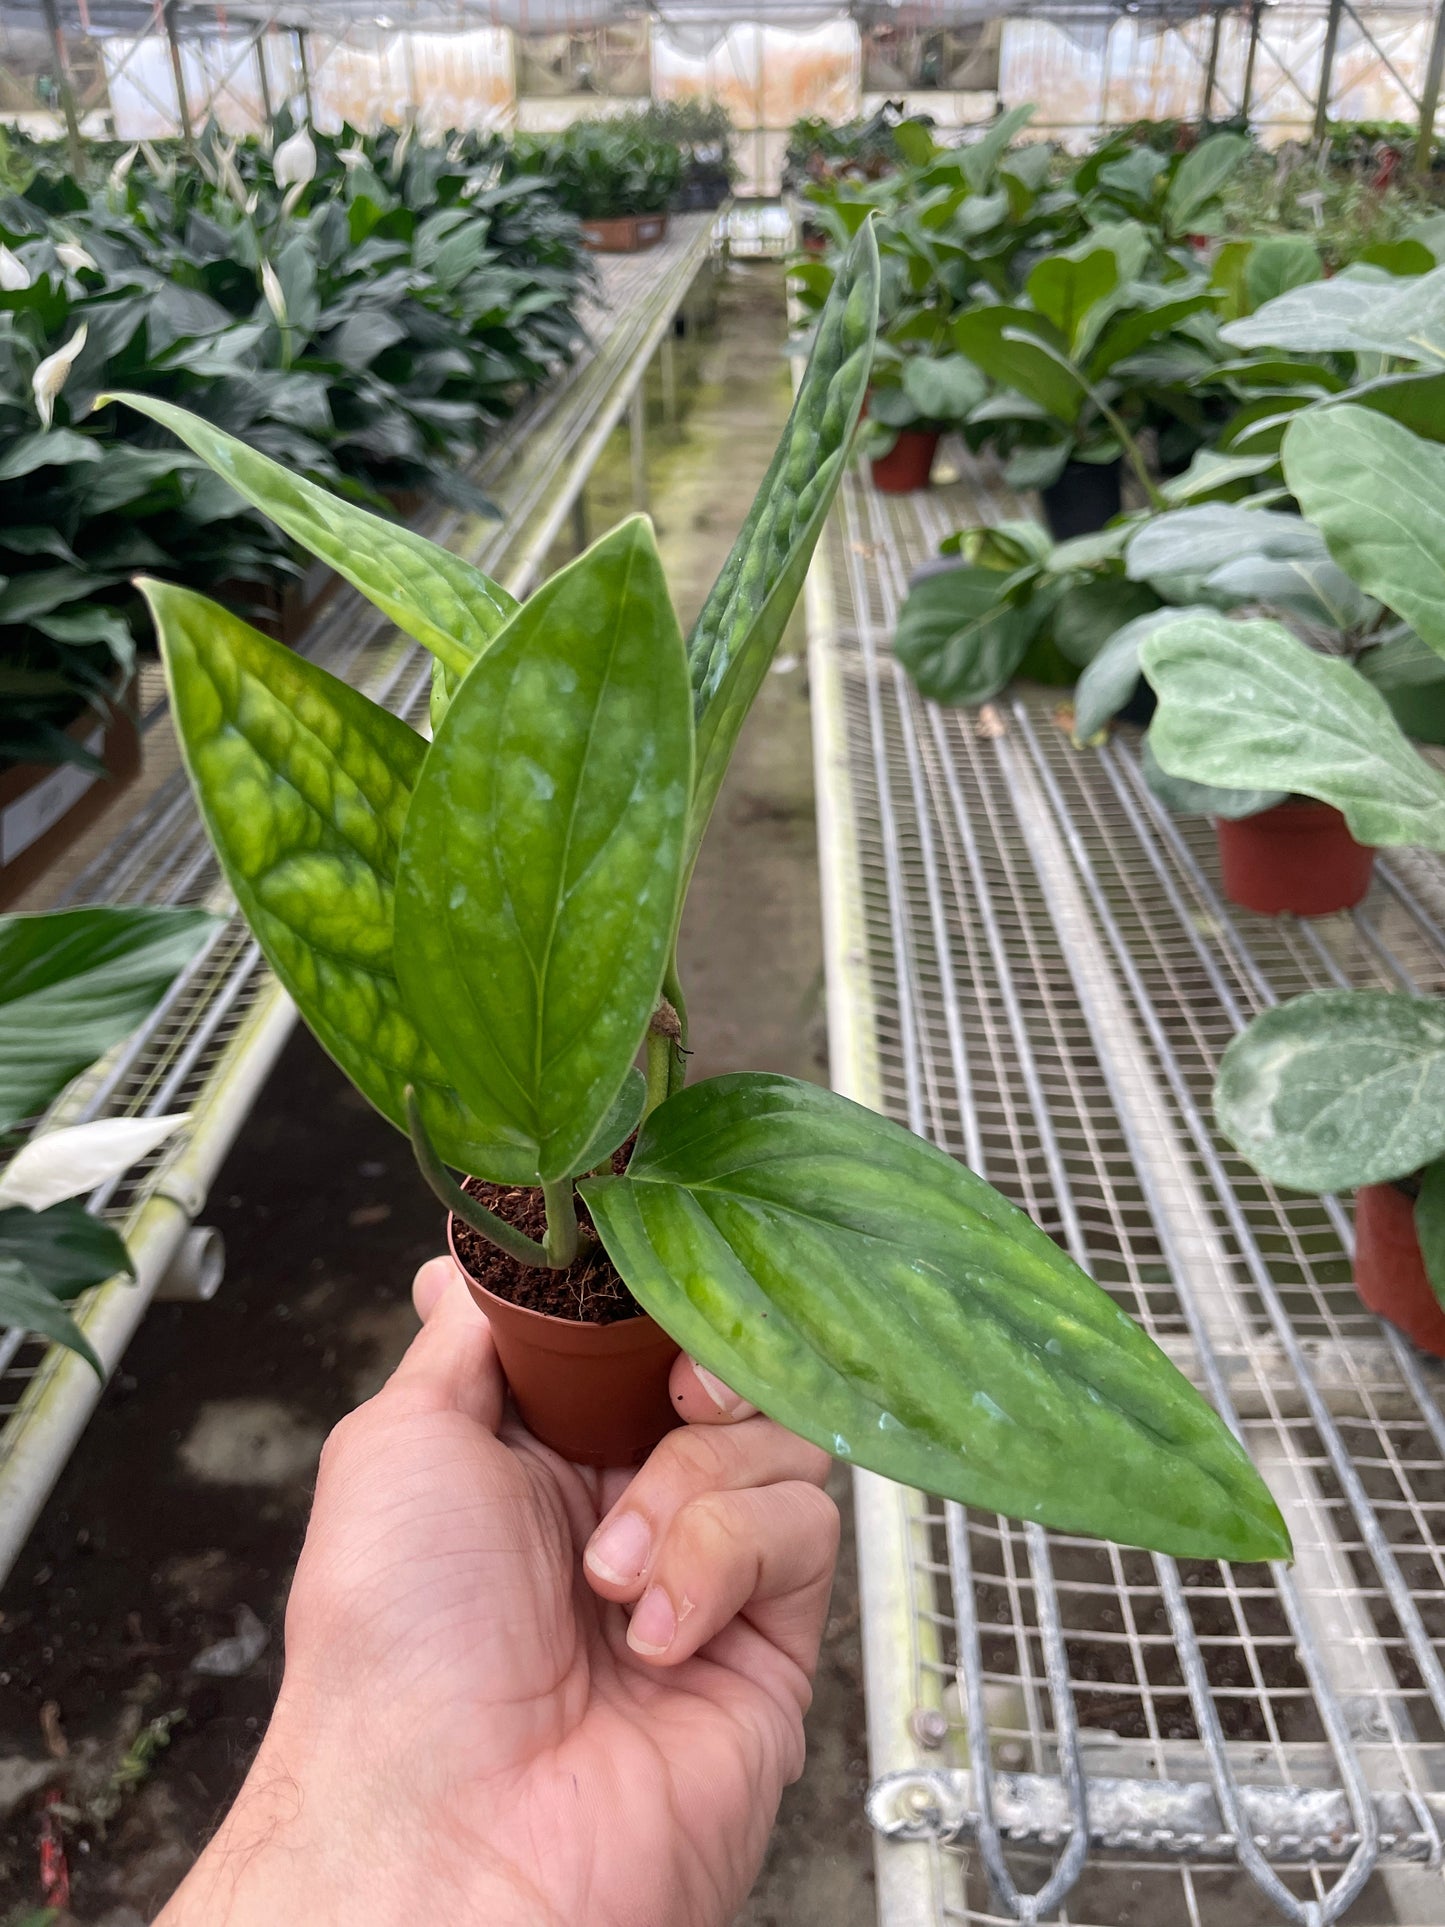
310, 1839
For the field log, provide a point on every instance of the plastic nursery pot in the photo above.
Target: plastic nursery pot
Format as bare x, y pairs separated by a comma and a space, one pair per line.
597, 1394
1085, 498
1389, 1270
908, 465
624, 233
1297, 857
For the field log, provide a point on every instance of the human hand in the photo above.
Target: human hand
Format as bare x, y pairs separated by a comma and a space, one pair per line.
521, 1692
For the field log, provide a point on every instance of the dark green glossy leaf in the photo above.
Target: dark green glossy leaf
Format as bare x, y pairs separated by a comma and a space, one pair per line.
747, 610
1337, 1089
1377, 494
75, 982
304, 785
25, 1305
63, 1248
618, 1125
1021, 350
959, 636
1411, 678
448, 606
541, 865
1247, 705
878, 1298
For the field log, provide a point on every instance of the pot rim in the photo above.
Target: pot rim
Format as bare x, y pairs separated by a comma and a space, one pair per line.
544, 1319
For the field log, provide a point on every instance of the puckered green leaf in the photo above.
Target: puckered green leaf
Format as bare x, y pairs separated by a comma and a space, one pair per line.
75, 982
64, 1248
304, 785
541, 865
878, 1298
1377, 494
1337, 1089
448, 606
1246, 705
747, 609
959, 636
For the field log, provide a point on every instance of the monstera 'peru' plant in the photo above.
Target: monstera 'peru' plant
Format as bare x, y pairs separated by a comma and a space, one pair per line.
482, 930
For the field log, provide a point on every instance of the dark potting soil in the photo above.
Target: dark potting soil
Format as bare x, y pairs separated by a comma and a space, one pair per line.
590, 1291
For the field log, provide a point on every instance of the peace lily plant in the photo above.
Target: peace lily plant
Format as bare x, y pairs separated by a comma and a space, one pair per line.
482, 931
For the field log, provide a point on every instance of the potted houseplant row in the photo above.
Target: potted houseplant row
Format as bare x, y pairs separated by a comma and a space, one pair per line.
1336, 1089
618, 179
482, 931
73, 983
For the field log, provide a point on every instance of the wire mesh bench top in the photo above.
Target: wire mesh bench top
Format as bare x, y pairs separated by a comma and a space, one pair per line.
1029, 961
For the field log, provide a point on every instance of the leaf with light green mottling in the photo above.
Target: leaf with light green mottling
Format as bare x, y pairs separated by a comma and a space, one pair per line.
742, 622
1249, 706
1337, 1088
304, 785
541, 865
876, 1297
1377, 494
1246, 705
448, 606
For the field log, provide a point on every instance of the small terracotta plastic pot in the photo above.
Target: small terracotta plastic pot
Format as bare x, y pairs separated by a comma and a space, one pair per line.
1389, 1270
908, 465
1298, 857
595, 1393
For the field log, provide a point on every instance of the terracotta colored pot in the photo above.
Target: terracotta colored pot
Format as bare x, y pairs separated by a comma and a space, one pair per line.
595, 1393
624, 233
1389, 1271
1297, 857
908, 464
44, 807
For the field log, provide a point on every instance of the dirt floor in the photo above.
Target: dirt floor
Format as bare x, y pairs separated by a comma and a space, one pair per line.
140, 1630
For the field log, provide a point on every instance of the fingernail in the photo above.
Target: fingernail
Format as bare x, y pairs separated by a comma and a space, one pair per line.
653, 1624
726, 1401
620, 1550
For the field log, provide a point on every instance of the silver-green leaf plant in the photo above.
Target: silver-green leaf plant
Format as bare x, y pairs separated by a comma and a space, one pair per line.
1338, 1088
482, 931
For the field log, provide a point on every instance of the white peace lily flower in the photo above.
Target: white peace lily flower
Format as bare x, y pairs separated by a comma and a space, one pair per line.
290, 198
65, 1163
253, 200
163, 170
121, 170
52, 374
294, 162
71, 255
14, 275
275, 294
351, 157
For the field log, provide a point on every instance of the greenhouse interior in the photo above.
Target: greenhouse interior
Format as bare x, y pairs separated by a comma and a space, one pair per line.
911, 1389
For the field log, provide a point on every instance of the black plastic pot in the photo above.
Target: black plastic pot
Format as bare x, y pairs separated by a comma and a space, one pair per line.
1140, 706
1085, 497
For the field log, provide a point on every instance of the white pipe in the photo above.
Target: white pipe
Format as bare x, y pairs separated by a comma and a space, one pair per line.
194, 1274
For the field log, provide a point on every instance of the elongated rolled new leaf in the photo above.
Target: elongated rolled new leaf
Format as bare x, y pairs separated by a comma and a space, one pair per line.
878, 1298
304, 786
75, 982
1377, 494
541, 865
1337, 1088
743, 619
1245, 705
438, 599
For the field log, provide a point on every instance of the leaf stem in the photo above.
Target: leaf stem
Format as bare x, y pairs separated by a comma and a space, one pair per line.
677, 1066
485, 1223
659, 1071
564, 1234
